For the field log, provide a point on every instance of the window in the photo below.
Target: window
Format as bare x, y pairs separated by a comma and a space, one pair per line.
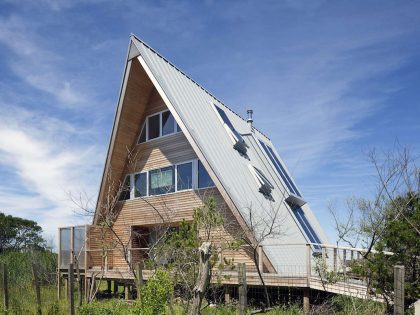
168, 123
140, 185
307, 228
204, 179
143, 134
154, 126
125, 189
158, 125
265, 186
280, 169
162, 181
239, 142
184, 176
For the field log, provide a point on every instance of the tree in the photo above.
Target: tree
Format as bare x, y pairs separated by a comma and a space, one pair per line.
387, 222
17, 234
401, 239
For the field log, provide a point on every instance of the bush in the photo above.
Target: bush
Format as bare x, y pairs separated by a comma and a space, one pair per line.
155, 295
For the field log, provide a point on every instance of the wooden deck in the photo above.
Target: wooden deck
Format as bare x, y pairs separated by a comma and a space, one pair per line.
351, 287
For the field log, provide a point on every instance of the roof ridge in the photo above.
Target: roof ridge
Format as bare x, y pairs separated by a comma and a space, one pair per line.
192, 80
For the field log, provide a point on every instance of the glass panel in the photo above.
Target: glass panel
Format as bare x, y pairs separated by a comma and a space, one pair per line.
79, 245
184, 176
125, 190
178, 128
161, 181
309, 231
154, 126
65, 247
280, 169
225, 118
140, 185
204, 179
263, 178
143, 134
168, 123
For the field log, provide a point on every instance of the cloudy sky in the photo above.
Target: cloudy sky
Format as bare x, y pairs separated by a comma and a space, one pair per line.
327, 80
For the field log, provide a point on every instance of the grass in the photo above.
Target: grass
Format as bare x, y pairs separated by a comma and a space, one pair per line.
22, 301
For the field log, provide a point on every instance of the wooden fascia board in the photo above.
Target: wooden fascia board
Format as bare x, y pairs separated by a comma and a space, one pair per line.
203, 159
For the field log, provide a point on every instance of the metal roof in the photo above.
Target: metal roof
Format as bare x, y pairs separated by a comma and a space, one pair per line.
193, 106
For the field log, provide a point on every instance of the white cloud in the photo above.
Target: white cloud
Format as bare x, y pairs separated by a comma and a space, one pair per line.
48, 164
36, 65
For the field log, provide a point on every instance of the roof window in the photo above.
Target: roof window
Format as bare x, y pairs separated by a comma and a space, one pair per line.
238, 142
265, 186
280, 169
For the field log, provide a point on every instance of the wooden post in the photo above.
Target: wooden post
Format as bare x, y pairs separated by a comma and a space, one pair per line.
139, 278
335, 259
5, 288
126, 291
79, 284
344, 262
72, 245
58, 284
71, 289
115, 287
306, 301
242, 288
109, 286
227, 295
37, 288
308, 264
398, 290
58, 266
260, 258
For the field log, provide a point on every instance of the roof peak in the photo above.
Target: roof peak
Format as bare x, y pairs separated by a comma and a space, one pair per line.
132, 35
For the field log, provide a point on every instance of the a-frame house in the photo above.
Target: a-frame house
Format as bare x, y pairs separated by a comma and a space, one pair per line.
173, 144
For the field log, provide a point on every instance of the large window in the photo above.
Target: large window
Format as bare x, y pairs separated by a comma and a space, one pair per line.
158, 125
140, 185
184, 176
307, 228
162, 181
238, 142
280, 169
169, 179
204, 179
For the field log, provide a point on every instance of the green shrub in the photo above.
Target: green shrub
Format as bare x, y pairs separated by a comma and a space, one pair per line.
154, 295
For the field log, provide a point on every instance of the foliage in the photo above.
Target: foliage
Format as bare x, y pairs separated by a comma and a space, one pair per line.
19, 265
341, 304
401, 238
19, 234
155, 294
22, 301
110, 307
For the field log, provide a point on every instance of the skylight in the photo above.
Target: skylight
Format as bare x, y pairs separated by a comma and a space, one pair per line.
307, 228
280, 169
265, 186
239, 142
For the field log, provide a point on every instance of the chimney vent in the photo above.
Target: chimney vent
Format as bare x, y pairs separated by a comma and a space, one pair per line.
249, 113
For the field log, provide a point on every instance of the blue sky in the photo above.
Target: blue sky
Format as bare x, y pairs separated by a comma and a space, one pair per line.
327, 80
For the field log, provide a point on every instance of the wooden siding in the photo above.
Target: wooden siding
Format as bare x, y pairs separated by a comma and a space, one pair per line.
141, 100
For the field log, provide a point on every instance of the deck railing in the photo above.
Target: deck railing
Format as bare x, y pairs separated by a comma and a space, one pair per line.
320, 266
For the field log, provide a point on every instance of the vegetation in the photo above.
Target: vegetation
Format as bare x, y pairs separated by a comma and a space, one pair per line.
17, 234
400, 238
